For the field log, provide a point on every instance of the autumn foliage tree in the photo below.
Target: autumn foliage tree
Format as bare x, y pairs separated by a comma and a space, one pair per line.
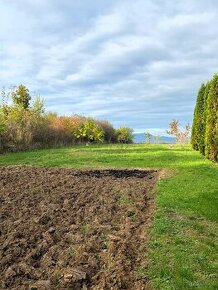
109, 131
24, 124
90, 132
181, 135
125, 135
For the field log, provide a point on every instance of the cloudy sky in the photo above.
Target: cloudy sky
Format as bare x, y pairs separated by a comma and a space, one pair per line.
136, 63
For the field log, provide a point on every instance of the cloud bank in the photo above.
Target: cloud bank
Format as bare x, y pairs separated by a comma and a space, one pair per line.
138, 63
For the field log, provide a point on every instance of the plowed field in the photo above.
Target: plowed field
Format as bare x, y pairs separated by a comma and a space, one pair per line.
70, 229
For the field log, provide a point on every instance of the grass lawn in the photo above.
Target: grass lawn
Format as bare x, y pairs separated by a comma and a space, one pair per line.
182, 249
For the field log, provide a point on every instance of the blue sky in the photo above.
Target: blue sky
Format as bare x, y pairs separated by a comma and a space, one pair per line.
135, 63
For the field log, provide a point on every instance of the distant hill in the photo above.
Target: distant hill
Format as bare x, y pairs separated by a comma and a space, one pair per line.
140, 138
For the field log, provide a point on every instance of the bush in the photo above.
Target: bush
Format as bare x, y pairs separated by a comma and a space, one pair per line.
25, 126
109, 131
124, 135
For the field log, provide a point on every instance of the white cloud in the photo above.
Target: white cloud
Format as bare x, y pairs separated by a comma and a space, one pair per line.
134, 62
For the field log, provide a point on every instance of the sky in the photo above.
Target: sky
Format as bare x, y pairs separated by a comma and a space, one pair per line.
135, 63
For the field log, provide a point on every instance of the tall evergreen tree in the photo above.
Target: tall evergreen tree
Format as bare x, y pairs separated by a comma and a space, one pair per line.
197, 138
206, 93
211, 137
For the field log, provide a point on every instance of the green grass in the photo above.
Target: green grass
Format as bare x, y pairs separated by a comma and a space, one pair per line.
182, 249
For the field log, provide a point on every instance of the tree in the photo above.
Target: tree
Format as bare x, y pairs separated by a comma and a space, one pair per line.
158, 139
211, 135
24, 126
2, 127
38, 106
206, 93
182, 135
21, 97
148, 137
4, 107
198, 126
124, 135
109, 131
90, 131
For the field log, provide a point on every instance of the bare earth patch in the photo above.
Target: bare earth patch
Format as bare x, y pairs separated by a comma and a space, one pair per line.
70, 229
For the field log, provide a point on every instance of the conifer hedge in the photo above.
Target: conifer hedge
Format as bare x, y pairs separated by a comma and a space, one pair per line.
198, 127
205, 122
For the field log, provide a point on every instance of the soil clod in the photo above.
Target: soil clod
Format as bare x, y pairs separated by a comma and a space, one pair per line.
69, 229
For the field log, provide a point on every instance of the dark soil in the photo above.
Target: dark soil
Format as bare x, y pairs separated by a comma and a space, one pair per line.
69, 229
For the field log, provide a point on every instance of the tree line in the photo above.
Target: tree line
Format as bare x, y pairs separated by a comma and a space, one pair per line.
24, 124
205, 122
